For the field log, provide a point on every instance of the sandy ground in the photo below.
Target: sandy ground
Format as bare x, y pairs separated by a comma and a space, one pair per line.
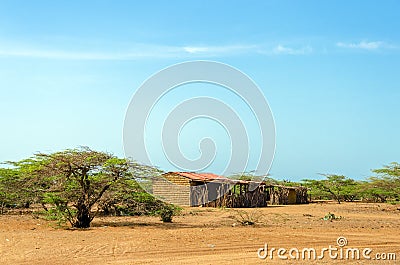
205, 236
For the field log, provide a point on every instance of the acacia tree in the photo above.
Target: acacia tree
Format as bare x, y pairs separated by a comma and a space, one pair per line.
8, 194
12, 192
386, 184
75, 180
334, 185
392, 170
129, 198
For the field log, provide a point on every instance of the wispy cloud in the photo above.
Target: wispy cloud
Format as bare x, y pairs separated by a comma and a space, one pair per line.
280, 49
194, 49
225, 49
144, 51
365, 45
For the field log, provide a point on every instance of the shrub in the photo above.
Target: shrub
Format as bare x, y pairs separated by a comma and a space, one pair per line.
167, 212
331, 216
247, 217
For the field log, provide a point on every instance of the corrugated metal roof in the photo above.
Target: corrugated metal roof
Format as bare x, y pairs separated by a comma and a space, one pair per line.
200, 176
213, 177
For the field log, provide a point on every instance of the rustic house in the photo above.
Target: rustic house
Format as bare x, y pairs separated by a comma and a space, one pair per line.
279, 195
206, 189
189, 188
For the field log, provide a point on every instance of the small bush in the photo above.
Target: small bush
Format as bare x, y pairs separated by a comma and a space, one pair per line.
167, 212
247, 217
331, 216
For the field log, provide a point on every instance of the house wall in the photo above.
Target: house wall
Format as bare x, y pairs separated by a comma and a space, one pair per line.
249, 199
292, 196
177, 179
179, 190
282, 196
302, 196
173, 189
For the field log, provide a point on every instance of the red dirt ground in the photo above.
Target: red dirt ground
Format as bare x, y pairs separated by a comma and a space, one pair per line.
203, 236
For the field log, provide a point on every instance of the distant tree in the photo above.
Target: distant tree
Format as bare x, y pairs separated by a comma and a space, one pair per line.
251, 176
8, 193
352, 191
378, 189
337, 186
386, 185
12, 192
255, 179
74, 181
392, 171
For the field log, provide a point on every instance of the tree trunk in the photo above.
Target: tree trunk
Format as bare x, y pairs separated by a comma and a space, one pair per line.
2, 207
381, 198
336, 197
83, 219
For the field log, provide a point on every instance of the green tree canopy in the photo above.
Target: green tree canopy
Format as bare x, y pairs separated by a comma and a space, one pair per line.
10, 195
386, 184
74, 181
338, 186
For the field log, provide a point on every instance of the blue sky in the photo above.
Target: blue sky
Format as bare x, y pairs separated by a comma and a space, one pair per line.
329, 70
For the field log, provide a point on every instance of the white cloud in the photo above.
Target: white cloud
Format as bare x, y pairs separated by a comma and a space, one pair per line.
371, 45
219, 50
280, 49
194, 49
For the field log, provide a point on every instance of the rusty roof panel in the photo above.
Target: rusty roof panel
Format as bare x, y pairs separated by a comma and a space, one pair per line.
199, 176
217, 178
